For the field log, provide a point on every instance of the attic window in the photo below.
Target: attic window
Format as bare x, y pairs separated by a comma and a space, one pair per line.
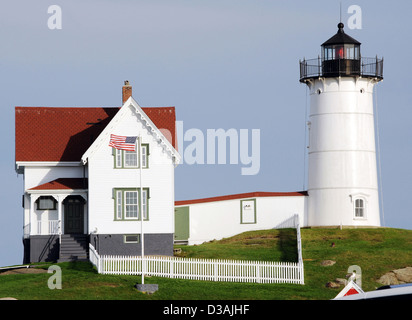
130, 159
46, 203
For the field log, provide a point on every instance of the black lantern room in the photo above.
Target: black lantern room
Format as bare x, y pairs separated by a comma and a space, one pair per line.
341, 57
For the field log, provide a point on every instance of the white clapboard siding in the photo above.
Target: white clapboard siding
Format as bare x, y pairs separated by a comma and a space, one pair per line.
159, 178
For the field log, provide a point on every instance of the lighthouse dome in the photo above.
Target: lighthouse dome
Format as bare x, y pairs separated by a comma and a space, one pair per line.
341, 38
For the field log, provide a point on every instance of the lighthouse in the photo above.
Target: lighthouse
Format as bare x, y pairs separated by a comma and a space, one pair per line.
342, 166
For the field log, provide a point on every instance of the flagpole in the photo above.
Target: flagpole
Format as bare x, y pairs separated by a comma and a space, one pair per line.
140, 205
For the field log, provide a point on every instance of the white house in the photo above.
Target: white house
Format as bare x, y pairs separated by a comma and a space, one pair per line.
78, 189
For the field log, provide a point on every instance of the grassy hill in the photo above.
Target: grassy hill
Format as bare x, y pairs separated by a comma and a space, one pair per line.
375, 251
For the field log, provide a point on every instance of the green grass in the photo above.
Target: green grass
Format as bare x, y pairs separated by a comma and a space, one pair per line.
375, 251
262, 245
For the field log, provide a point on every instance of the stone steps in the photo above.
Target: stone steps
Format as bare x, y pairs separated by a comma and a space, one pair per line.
74, 247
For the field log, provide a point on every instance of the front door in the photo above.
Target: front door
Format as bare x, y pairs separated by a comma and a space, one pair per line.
74, 215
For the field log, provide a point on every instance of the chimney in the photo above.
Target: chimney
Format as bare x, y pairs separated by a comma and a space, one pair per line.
126, 91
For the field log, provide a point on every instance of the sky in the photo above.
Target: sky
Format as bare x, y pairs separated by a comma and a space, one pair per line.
230, 64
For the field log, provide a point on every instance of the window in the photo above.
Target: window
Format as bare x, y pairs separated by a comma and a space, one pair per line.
359, 208
130, 159
131, 205
119, 157
144, 204
131, 238
145, 148
248, 211
127, 205
345, 51
46, 203
119, 204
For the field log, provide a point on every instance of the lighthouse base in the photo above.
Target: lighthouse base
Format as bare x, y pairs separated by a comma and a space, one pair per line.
343, 207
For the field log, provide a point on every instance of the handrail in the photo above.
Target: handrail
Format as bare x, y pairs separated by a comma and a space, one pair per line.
365, 67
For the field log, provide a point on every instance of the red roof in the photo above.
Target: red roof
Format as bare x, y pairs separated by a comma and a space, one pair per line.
63, 184
64, 134
241, 196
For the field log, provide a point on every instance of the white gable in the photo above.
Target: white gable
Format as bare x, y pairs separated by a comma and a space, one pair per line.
116, 122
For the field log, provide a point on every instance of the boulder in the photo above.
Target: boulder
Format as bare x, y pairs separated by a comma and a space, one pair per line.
397, 276
388, 279
332, 284
404, 275
327, 263
341, 281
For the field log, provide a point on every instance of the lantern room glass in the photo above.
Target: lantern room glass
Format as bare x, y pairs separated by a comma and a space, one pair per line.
341, 51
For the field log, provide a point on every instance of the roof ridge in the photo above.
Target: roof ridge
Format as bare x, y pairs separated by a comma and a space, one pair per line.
254, 194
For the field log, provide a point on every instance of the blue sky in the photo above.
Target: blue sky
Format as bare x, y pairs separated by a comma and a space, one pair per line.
222, 64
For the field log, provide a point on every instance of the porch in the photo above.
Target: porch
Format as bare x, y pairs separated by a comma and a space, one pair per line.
55, 208
56, 221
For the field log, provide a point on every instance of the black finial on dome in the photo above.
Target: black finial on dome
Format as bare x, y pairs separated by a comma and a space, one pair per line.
341, 38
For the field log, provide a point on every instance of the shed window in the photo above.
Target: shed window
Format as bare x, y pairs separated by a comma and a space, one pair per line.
248, 211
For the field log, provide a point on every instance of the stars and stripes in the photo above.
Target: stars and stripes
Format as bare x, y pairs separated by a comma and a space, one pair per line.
123, 142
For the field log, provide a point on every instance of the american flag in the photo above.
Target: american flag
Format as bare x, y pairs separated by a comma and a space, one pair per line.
122, 142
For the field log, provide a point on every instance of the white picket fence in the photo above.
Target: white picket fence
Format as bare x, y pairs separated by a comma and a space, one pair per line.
202, 269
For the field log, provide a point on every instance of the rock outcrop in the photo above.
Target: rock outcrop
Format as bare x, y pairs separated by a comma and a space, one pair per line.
397, 276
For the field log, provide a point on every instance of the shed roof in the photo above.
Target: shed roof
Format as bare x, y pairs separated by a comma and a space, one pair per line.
242, 196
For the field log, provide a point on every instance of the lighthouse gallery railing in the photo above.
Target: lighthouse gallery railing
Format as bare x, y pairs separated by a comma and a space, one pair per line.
366, 67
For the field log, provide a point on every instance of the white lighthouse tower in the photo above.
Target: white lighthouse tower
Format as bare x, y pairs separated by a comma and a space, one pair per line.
342, 171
